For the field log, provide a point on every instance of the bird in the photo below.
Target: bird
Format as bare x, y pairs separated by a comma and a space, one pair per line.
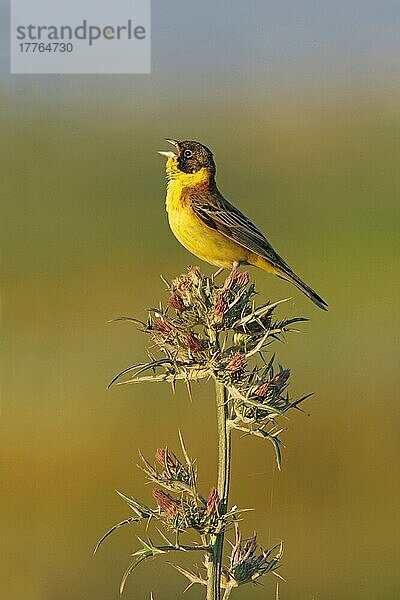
209, 226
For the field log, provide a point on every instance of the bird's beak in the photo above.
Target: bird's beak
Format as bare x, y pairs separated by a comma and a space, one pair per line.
170, 154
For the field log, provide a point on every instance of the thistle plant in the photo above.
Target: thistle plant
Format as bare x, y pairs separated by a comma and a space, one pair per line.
212, 332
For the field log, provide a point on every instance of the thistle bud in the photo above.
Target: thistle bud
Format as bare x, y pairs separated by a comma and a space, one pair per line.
212, 502
275, 384
194, 275
237, 362
242, 280
220, 309
280, 379
245, 564
163, 457
193, 342
168, 504
235, 280
250, 547
262, 390
176, 302
163, 326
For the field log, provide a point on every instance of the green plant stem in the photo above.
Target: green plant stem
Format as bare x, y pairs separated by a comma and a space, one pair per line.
214, 566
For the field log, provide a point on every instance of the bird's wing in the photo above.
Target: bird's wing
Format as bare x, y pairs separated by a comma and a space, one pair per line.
221, 215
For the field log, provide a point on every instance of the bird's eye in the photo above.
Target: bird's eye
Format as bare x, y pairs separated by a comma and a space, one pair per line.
187, 153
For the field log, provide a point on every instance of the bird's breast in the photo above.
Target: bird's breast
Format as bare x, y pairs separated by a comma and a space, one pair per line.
204, 242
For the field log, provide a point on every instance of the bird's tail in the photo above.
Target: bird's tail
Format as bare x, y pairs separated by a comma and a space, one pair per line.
288, 275
309, 292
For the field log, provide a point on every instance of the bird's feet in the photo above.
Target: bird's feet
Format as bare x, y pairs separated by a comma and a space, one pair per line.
220, 270
235, 266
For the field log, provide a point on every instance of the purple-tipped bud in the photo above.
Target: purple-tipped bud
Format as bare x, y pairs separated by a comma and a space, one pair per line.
280, 379
176, 302
193, 342
275, 384
168, 504
245, 564
235, 556
163, 457
235, 280
194, 275
220, 308
212, 502
262, 390
237, 362
250, 547
242, 280
163, 326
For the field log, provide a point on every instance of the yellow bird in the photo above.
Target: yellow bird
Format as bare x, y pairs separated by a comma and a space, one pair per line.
209, 226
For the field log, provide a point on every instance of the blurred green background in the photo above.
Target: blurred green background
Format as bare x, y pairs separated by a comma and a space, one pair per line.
300, 103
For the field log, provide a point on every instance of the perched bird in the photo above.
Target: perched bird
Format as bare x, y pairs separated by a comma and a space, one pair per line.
209, 226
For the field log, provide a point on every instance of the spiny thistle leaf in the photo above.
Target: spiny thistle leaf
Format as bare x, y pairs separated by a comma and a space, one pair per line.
131, 319
277, 445
192, 577
129, 570
113, 528
138, 507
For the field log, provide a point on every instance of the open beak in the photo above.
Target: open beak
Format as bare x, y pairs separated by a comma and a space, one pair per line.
170, 154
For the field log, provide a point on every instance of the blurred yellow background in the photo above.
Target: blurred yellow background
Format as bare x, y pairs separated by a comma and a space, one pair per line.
310, 151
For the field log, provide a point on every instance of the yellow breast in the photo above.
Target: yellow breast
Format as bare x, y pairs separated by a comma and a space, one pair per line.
203, 241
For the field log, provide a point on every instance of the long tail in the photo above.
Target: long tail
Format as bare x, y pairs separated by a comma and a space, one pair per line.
288, 275
309, 292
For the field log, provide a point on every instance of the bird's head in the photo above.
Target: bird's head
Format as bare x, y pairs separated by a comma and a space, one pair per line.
191, 161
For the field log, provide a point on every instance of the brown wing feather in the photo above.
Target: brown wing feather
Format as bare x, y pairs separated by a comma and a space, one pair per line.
219, 214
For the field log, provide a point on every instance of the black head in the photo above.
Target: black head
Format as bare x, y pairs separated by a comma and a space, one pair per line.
193, 156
